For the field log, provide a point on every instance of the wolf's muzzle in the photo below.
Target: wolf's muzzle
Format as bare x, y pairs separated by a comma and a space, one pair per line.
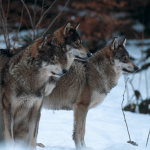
136, 68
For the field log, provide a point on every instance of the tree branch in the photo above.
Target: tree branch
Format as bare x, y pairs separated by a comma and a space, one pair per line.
45, 32
28, 13
41, 18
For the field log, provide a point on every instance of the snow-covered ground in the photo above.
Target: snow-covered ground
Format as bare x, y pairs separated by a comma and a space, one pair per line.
105, 126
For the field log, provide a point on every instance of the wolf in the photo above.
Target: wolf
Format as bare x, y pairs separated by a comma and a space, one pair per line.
87, 84
23, 83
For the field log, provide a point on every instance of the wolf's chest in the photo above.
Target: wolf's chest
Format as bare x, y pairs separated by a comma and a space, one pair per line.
96, 99
22, 106
49, 88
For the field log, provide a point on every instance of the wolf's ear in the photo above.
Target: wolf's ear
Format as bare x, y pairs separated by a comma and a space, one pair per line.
77, 25
114, 44
67, 28
43, 42
124, 42
36, 47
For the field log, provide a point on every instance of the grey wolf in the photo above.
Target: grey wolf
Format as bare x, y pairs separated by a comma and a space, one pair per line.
24, 80
87, 84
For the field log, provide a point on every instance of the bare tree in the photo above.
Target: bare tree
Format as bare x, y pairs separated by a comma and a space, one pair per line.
35, 25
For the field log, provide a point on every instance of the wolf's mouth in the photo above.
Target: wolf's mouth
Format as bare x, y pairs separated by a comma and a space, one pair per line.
80, 58
55, 74
127, 70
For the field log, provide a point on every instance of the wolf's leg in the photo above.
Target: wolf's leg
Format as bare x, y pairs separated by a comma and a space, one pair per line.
6, 122
80, 112
40, 145
83, 134
34, 124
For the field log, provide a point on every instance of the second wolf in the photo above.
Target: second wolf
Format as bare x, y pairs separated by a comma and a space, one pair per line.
88, 83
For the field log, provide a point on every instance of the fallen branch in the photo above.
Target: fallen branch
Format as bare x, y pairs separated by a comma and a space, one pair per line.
131, 142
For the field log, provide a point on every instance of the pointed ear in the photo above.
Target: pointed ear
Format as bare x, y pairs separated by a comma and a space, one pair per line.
36, 46
67, 28
124, 42
77, 25
114, 44
43, 42
52, 41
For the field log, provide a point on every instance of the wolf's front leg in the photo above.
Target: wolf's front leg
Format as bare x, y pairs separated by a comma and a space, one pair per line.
80, 112
33, 128
6, 122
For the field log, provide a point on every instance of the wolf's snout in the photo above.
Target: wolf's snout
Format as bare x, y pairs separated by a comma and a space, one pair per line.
64, 71
89, 54
136, 68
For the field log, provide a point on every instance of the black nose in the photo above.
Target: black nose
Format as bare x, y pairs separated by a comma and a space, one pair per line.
89, 54
136, 68
64, 71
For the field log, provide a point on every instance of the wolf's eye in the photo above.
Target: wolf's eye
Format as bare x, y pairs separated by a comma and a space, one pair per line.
125, 59
77, 44
54, 58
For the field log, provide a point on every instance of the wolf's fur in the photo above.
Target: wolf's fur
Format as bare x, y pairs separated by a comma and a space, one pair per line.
87, 84
23, 82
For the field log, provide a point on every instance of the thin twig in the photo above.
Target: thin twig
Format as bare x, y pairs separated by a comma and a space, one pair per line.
123, 111
19, 24
125, 77
42, 8
28, 13
3, 29
55, 18
24, 23
4, 26
7, 9
41, 18
34, 16
7, 33
147, 138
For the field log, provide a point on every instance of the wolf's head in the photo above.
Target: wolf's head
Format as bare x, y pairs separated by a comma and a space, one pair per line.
49, 58
120, 57
68, 38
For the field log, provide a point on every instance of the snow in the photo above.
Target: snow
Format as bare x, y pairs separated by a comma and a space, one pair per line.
105, 126
138, 26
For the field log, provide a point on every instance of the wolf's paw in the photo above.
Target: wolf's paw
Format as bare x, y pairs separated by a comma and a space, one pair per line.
40, 145
88, 148
85, 148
